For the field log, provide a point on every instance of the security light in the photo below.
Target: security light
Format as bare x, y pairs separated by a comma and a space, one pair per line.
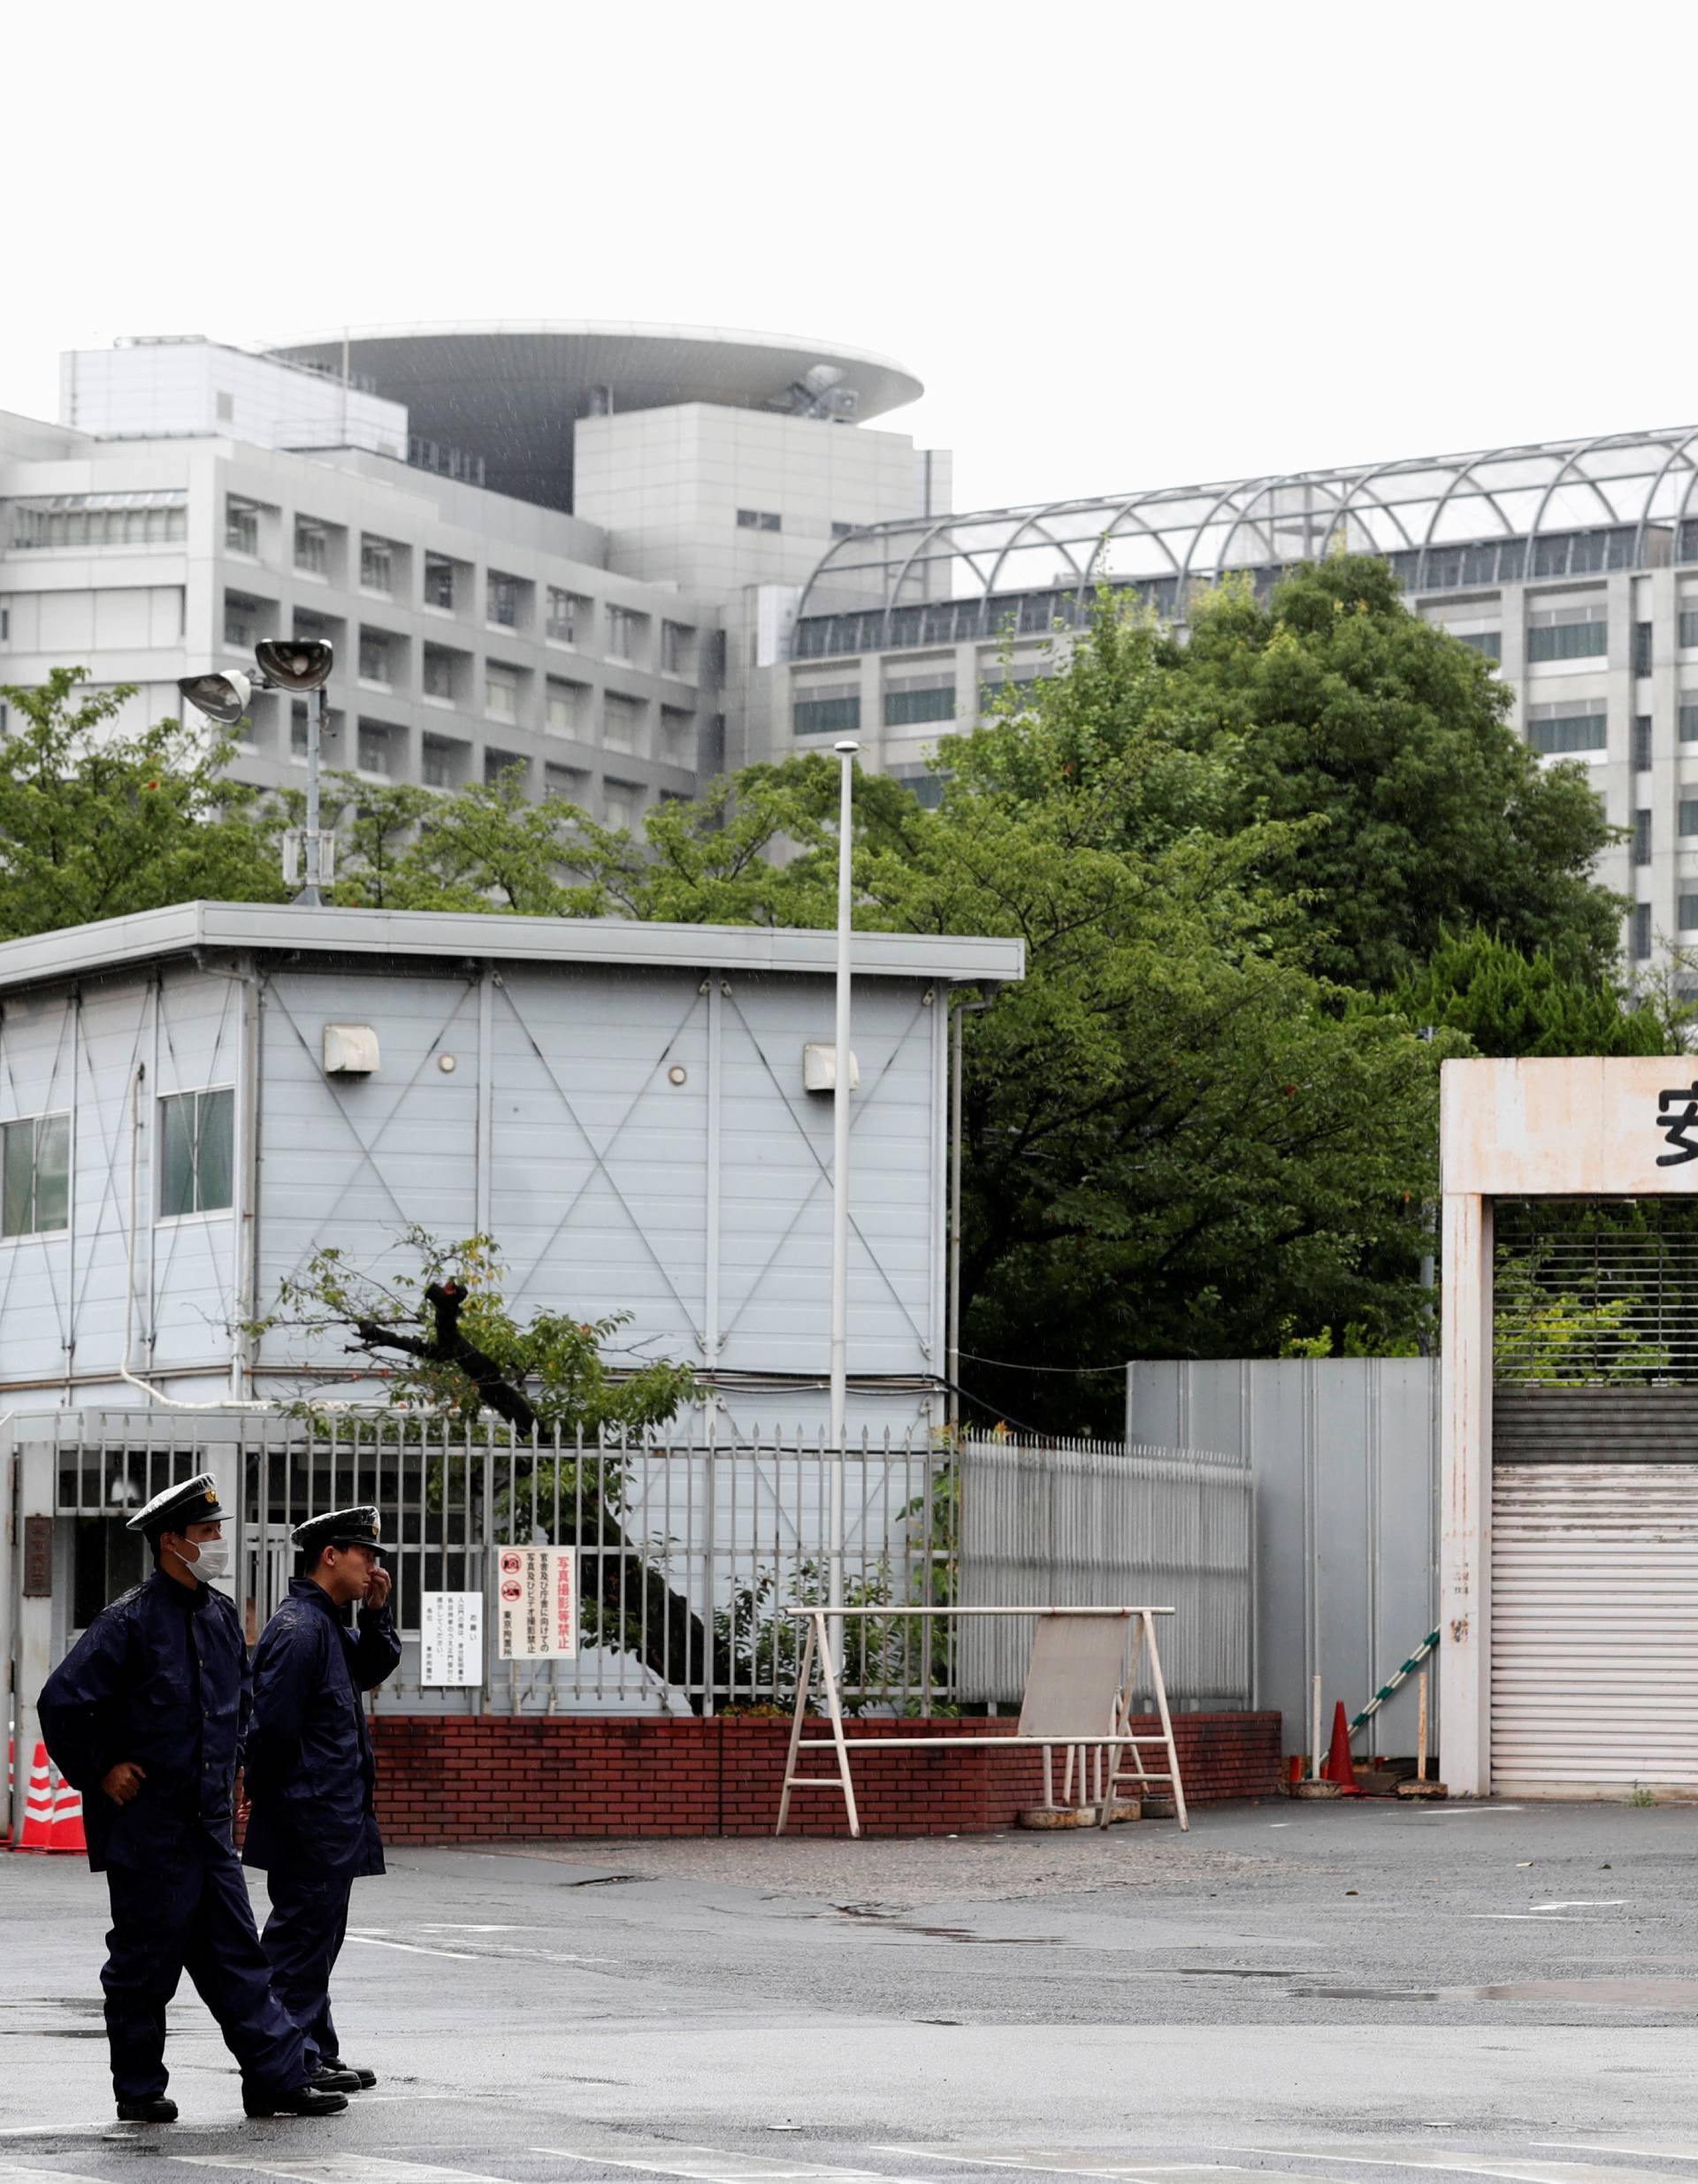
296, 662
222, 698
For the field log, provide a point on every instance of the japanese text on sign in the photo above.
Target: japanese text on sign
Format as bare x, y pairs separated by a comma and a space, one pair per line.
536, 1603
451, 1640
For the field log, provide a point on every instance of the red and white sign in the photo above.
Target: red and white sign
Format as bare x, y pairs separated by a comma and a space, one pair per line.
536, 1603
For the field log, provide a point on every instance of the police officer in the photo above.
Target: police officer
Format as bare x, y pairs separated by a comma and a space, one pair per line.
311, 1769
147, 1716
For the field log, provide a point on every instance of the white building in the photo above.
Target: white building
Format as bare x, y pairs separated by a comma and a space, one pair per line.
1573, 565
560, 548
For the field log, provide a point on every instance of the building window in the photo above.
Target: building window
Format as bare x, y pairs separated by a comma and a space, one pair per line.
503, 601
563, 708
919, 697
674, 648
240, 525
197, 1152
1687, 912
311, 546
1641, 932
1642, 648
502, 692
827, 709
1582, 725
1641, 837
1689, 628
376, 750
759, 519
374, 656
101, 519
621, 720
1487, 641
569, 781
568, 616
497, 763
35, 1165
1567, 633
624, 630
1016, 687
376, 565
1642, 743
240, 621
620, 800
439, 672
438, 581
1688, 718
438, 762
925, 786
678, 727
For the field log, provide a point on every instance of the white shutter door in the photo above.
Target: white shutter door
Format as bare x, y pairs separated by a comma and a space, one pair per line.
1594, 1626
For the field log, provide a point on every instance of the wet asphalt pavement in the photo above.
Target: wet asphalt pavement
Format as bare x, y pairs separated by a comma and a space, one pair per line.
1312, 1991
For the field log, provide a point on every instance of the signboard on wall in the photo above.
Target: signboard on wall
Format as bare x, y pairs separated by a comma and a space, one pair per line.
536, 1603
451, 1640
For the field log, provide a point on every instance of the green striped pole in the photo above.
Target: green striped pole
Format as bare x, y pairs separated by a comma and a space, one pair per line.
1427, 1646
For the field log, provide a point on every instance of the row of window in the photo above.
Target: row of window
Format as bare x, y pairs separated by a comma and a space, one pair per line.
1582, 724
196, 1163
834, 708
568, 616
101, 519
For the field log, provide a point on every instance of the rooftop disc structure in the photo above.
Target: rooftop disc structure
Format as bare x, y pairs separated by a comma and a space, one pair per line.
496, 403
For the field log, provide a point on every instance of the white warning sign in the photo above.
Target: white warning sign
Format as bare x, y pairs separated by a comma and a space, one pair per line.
450, 1640
536, 1603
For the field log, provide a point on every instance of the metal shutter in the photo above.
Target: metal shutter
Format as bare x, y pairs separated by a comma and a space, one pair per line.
1594, 1626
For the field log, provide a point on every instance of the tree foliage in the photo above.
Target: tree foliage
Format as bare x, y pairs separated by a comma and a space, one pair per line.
1505, 1003
1336, 705
96, 823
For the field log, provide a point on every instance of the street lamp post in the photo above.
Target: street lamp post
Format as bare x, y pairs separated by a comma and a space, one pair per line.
300, 664
840, 1072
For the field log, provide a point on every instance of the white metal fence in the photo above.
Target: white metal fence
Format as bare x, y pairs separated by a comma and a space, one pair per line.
691, 1549
1086, 1525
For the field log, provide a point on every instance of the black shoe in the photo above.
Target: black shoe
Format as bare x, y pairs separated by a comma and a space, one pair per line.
305, 2100
367, 2078
338, 2077
155, 2109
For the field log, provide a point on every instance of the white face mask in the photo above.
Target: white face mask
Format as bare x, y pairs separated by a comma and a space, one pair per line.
211, 1559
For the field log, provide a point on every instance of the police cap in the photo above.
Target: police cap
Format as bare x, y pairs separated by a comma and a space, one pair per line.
190, 1502
339, 1528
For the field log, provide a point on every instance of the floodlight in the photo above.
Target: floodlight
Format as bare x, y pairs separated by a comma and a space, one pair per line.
222, 698
296, 662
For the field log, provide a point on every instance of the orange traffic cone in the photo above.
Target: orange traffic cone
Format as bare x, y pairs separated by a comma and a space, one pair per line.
52, 1810
1338, 1765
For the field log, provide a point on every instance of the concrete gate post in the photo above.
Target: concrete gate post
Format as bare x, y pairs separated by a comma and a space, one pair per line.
1465, 1496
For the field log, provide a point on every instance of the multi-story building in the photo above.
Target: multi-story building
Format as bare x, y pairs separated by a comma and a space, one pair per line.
1573, 565
625, 559
551, 548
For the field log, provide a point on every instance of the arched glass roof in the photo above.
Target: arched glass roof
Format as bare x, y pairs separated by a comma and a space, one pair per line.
1552, 508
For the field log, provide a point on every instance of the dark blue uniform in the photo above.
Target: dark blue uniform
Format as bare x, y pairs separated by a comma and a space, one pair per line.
311, 1776
161, 1678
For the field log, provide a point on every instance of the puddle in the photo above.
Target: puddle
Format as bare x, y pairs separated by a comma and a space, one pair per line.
875, 1913
52, 2032
1616, 1994
601, 1880
1228, 1971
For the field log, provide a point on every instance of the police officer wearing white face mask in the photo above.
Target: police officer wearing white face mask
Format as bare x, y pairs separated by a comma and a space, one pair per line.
147, 1715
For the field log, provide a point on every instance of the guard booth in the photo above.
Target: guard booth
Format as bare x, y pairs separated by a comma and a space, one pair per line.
1569, 1491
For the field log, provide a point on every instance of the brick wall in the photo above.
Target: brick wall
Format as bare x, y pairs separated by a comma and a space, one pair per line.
450, 1779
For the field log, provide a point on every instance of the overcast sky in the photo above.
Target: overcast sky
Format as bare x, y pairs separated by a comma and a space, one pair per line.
1122, 246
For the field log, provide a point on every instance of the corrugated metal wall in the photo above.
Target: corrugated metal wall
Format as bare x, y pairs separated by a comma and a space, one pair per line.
1090, 1526
1343, 1454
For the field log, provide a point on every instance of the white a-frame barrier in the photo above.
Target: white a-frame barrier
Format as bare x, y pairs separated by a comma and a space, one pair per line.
1618, 1128
1085, 1663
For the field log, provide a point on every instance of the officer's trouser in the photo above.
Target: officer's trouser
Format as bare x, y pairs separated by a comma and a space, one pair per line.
303, 1938
191, 1913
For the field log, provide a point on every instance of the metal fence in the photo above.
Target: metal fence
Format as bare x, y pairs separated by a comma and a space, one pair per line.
689, 1549
1083, 1524
1596, 1292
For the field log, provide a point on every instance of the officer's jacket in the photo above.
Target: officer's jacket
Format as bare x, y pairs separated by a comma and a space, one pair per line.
311, 1769
160, 1677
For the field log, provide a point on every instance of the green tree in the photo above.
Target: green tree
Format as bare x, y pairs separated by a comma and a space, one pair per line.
95, 823
1508, 1003
1335, 704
